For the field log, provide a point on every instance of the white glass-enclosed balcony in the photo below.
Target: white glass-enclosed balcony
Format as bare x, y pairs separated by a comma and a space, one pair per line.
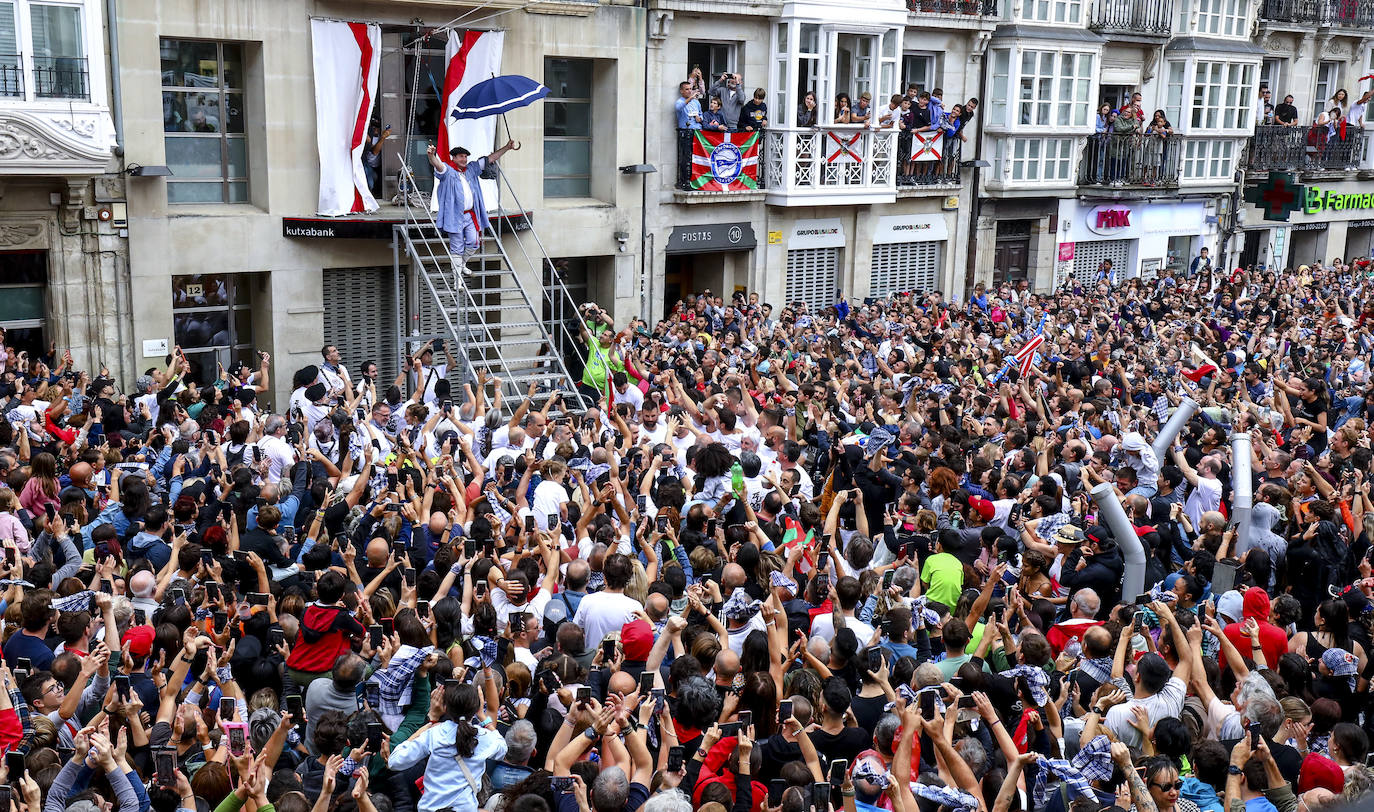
812, 156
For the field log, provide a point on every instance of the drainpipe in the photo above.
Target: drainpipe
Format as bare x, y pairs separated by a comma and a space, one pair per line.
116, 100
975, 194
1185, 411
1110, 509
1242, 485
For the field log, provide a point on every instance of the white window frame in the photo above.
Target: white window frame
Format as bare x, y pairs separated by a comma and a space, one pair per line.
1059, 12
910, 77
23, 69
1070, 96
1223, 18
1326, 79
712, 72
1223, 97
1048, 160
1208, 159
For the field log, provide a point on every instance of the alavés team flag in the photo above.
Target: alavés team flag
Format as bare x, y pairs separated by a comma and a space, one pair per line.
725, 162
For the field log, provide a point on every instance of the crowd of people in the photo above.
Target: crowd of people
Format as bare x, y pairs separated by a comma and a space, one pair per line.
1330, 139
929, 143
762, 560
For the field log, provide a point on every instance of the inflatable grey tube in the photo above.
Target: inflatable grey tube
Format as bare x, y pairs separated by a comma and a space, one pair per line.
1113, 515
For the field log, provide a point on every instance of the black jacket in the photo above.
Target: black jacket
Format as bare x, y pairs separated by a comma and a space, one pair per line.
1102, 575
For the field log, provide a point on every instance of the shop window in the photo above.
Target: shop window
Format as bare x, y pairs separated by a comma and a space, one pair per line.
202, 121
212, 321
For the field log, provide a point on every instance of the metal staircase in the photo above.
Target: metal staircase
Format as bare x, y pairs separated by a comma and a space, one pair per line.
487, 313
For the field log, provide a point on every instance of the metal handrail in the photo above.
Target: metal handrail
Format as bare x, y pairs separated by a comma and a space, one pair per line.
557, 303
1133, 16
1130, 159
463, 295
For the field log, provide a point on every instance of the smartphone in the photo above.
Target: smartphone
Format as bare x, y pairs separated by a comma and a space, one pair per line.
374, 737
479, 589
257, 454
927, 705
422, 608
219, 619
165, 764
784, 710
776, 788
674, 759
178, 595
211, 587
410, 576
502, 649
141, 617
390, 481
875, 659
729, 729
226, 708
661, 523
838, 768
388, 626
562, 784
1143, 599
888, 578
607, 651
51, 510
24, 663
107, 586
1138, 621
121, 683
711, 526
372, 692
1254, 728
584, 695
823, 561
641, 502
820, 795
646, 683
275, 637
295, 705
14, 762
375, 635
553, 523
469, 548
238, 737
746, 718
965, 702
257, 598
822, 583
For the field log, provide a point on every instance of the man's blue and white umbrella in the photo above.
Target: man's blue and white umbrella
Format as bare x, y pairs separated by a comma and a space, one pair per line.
498, 95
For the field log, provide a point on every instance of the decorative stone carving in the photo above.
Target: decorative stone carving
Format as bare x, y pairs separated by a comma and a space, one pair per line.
44, 143
19, 235
1337, 48
1277, 45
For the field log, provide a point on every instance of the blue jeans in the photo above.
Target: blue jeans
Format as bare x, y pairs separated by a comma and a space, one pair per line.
1141, 490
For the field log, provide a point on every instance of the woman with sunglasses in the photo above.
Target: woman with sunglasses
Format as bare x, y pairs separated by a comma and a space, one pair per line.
1165, 785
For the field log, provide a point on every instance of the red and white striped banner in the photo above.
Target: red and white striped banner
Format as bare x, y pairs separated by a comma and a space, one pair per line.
346, 59
472, 57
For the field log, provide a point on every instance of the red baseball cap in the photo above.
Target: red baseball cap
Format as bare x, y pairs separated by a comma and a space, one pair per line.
983, 507
637, 640
139, 639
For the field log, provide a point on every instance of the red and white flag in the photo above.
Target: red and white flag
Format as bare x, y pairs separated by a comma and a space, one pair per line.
346, 59
1026, 355
473, 57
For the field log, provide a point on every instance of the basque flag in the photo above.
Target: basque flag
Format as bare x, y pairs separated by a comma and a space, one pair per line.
724, 162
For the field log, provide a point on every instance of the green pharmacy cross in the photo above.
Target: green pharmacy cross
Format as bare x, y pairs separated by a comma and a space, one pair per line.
1277, 196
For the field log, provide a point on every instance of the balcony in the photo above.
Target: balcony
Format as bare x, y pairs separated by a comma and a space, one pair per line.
932, 170
11, 76
1137, 160
1148, 19
830, 165
1306, 149
966, 8
1320, 13
61, 77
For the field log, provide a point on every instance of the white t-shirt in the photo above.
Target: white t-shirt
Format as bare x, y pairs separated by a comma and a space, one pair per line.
279, 454
1205, 496
601, 613
549, 498
824, 627
1168, 702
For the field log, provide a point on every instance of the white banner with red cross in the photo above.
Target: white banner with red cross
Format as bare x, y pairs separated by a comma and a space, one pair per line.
844, 148
926, 146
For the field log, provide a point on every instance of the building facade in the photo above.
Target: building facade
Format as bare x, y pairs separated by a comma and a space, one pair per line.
221, 252
227, 256
62, 204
